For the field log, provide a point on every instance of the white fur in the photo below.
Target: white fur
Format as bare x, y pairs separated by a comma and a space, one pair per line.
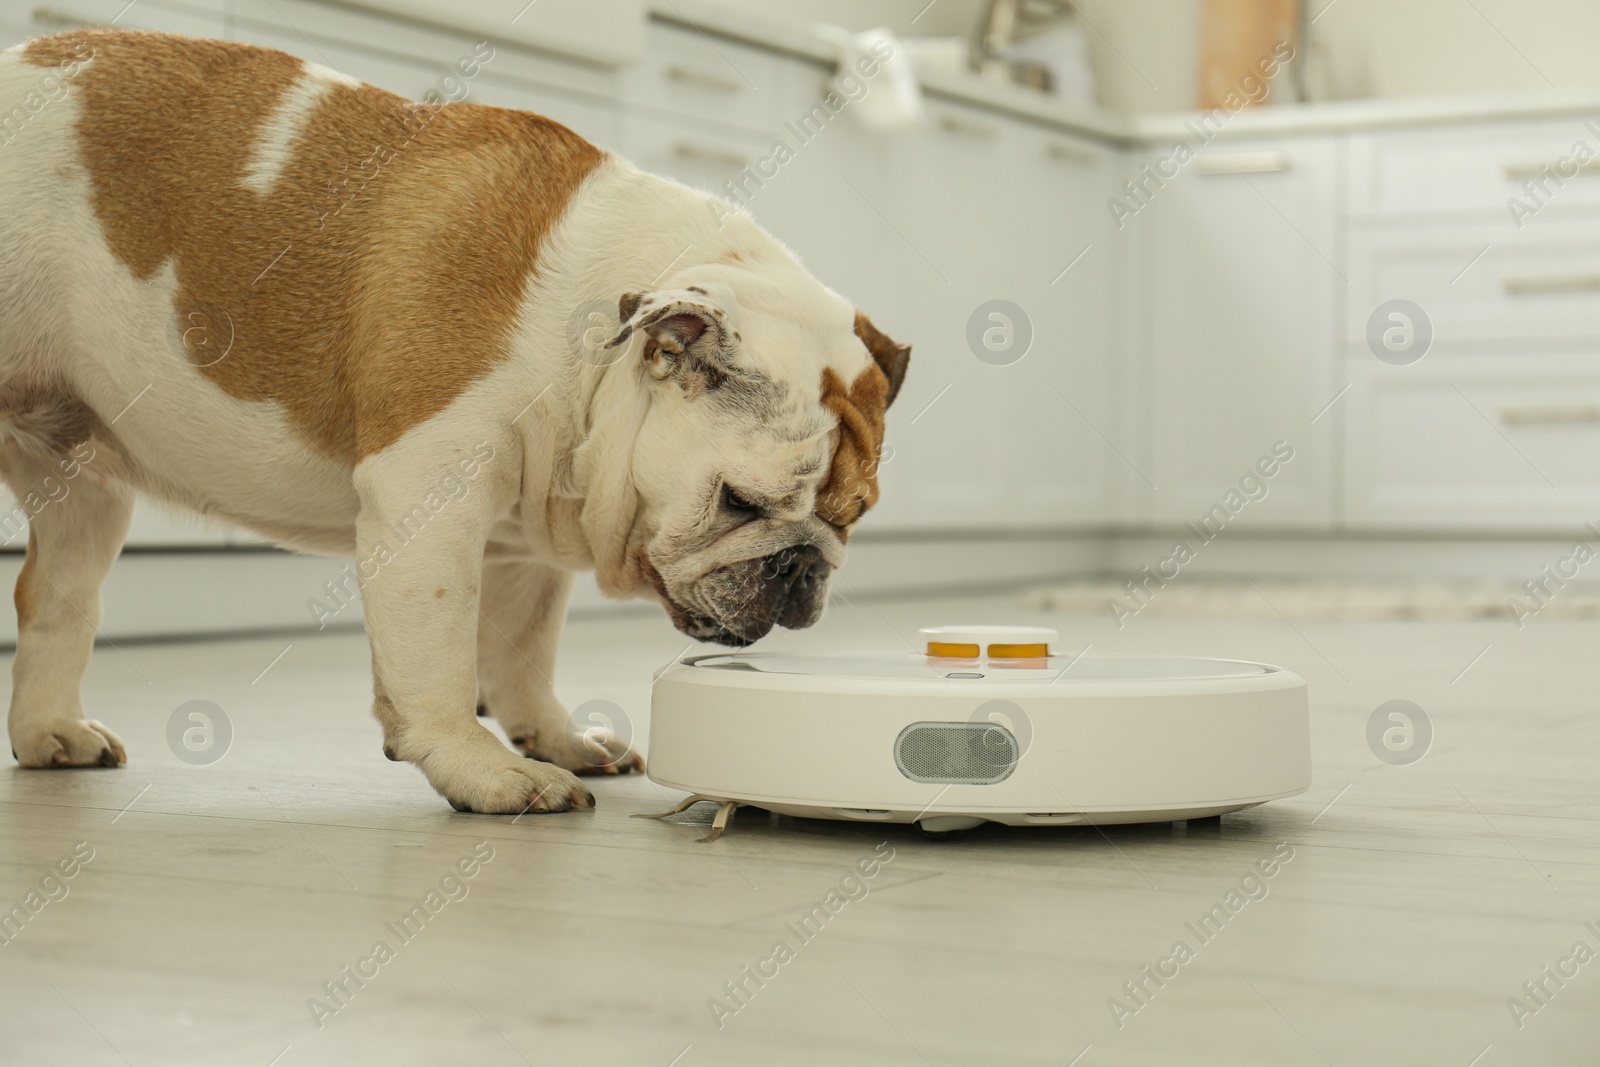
274, 145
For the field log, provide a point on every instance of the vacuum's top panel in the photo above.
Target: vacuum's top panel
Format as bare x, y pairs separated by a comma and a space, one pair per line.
1065, 669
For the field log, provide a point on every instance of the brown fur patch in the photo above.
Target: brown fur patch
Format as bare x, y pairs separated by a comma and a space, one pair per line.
891, 357
383, 272
852, 483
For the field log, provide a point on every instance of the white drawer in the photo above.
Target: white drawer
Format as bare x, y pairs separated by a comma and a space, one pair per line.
1466, 168
688, 73
197, 18
410, 78
397, 39
415, 78
595, 121
1481, 285
602, 31
1486, 444
690, 153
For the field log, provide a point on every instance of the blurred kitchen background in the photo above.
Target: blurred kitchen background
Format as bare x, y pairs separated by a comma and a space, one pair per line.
1370, 265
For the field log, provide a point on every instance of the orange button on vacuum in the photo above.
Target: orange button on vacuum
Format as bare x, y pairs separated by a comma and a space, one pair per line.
998, 642
952, 651
1018, 651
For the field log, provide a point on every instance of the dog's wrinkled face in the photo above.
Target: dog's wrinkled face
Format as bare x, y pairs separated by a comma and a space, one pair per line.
757, 455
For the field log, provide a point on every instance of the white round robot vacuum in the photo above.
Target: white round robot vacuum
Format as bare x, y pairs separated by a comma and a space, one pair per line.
988, 724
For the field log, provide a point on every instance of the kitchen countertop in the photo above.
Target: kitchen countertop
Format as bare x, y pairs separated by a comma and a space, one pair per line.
796, 38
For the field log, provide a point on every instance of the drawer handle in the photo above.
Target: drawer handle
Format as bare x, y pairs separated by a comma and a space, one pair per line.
684, 150
1553, 283
1066, 153
1243, 163
686, 76
55, 17
966, 127
1523, 171
1553, 415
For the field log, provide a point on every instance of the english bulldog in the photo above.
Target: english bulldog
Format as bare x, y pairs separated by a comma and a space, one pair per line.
253, 288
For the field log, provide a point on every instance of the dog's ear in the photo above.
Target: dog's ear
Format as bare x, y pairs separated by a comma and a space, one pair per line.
891, 357
687, 333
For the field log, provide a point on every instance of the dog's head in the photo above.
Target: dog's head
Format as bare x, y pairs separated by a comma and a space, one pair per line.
758, 450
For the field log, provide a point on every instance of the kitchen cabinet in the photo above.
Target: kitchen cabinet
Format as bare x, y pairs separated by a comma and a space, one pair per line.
823, 202
1483, 284
690, 152
1063, 404
691, 76
1235, 332
971, 226
1495, 426
1494, 444
1471, 172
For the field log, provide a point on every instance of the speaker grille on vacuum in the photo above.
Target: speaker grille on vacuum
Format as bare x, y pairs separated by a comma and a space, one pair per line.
956, 753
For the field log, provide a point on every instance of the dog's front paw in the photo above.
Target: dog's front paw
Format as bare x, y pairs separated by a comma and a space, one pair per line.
594, 751
67, 743
475, 772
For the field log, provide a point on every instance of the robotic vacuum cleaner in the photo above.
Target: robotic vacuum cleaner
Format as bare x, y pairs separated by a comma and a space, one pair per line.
987, 724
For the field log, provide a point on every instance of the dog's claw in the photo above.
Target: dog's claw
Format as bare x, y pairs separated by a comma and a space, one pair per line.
475, 771
634, 762
83, 743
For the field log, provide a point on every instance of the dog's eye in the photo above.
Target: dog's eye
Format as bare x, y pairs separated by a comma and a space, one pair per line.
737, 502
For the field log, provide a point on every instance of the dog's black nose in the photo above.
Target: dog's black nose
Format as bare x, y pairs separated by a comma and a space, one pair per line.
795, 567
799, 577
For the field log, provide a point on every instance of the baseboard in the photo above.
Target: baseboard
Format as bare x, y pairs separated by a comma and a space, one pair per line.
203, 592
1291, 555
211, 592
206, 592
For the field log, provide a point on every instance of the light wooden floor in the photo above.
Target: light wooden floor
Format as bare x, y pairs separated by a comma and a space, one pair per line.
219, 899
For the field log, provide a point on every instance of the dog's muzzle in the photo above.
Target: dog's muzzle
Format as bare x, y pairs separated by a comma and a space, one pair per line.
746, 600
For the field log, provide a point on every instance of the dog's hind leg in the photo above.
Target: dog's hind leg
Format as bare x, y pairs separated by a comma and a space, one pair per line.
77, 521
